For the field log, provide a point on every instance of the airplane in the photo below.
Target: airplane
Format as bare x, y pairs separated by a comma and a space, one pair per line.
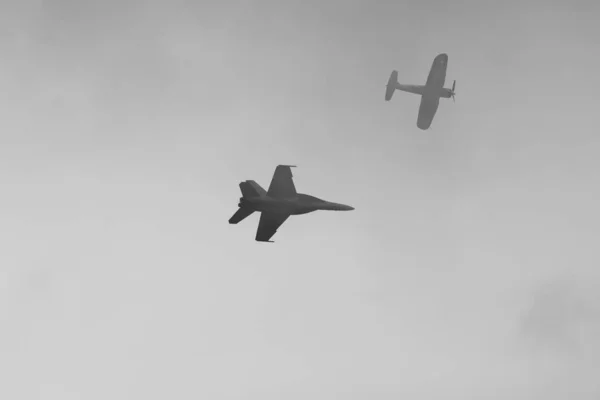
278, 203
430, 92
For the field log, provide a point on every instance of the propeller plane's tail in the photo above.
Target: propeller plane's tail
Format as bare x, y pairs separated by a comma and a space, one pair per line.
393, 85
390, 88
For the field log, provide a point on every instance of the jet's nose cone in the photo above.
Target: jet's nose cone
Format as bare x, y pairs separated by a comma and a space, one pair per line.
336, 207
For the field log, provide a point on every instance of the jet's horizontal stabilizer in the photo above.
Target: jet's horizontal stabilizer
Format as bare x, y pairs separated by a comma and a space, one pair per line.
241, 214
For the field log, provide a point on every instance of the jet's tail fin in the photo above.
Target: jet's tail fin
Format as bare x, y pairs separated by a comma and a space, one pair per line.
391, 85
252, 189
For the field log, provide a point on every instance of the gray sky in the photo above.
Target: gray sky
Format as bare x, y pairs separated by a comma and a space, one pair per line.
468, 269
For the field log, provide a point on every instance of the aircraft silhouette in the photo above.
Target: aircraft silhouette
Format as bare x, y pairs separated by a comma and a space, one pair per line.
278, 203
430, 92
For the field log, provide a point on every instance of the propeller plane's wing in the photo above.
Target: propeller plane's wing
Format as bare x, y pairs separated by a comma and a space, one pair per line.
437, 73
427, 110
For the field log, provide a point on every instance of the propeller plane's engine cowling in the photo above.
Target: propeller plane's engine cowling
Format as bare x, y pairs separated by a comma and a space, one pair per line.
449, 93
446, 93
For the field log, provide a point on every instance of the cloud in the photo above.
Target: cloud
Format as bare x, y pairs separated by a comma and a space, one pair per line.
563, 320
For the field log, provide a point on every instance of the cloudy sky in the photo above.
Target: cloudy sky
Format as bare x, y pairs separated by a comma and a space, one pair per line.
468, 269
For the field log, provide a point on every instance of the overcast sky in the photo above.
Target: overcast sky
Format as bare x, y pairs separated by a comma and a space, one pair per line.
469, 269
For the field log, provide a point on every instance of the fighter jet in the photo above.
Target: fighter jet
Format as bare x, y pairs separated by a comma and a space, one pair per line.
278, 203
430, 93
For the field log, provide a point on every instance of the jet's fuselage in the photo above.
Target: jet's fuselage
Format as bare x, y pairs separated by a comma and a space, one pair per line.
300, 204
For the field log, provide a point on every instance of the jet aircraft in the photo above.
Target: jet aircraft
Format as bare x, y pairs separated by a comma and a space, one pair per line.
278, 203
430, 92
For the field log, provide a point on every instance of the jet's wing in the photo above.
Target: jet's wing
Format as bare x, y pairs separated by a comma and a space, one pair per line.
268, 224
427, 110
282, 184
